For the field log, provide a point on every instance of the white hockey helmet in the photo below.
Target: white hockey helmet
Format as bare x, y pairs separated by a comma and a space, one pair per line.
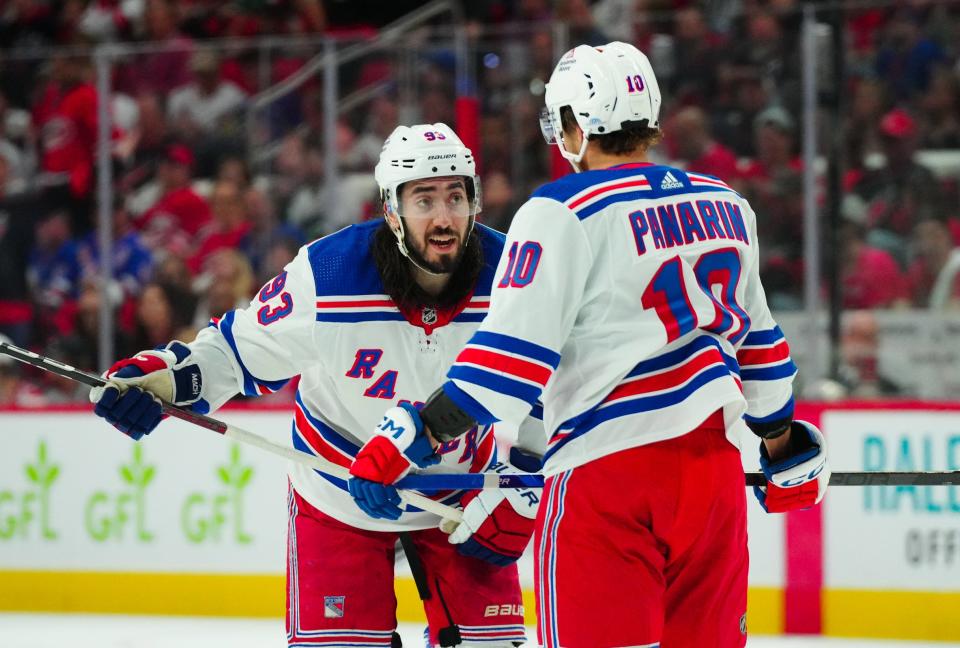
424, 151
608, 88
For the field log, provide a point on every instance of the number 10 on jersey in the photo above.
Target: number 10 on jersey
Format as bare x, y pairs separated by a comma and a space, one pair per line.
667, 294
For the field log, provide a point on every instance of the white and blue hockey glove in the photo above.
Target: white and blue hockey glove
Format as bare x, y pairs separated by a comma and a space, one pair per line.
498, 524
799, 480
130, 402
398, 444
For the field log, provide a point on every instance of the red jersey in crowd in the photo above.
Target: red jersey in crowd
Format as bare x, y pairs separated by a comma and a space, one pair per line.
183, 208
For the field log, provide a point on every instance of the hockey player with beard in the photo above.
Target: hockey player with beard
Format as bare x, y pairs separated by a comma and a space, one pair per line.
372, 314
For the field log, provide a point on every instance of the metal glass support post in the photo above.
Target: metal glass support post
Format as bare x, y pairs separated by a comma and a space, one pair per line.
102, 60
811, 223
330, 86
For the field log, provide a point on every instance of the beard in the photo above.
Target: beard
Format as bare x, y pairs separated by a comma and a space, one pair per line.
447, 263
397, 272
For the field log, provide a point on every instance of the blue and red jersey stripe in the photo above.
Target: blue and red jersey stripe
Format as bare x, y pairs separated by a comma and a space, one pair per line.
656, 383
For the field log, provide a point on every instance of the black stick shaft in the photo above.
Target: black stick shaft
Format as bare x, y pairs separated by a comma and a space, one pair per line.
93, 380
929, 478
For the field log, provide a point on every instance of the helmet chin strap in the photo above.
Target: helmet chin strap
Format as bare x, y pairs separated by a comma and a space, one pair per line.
573, 158
402, 246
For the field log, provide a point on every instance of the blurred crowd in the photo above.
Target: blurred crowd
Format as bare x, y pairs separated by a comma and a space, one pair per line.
208, 203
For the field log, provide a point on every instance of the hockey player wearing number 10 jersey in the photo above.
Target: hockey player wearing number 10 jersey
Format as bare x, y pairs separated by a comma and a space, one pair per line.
628, 301
370, 315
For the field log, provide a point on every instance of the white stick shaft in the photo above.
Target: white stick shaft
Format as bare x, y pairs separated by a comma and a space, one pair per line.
335, 470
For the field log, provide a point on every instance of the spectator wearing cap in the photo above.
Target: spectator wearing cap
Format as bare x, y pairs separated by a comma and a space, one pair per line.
180, 213
690, 141
900, 193
773, 130
201, 106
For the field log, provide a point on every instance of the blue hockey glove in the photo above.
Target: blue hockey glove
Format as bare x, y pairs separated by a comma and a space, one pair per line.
398, 444
131, 399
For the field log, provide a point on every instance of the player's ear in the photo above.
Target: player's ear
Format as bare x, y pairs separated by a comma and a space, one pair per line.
572, 138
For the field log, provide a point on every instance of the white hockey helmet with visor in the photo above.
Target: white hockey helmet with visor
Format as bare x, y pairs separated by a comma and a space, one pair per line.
608, 88
422, 152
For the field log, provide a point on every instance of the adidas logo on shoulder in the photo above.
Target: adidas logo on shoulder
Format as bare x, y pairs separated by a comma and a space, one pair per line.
670, 182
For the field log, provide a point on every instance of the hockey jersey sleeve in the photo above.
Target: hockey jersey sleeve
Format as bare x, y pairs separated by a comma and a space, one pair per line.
257, 349
766, 368
504, 368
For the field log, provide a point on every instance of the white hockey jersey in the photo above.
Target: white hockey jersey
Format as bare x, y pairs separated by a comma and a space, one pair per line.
327, 319
628, 301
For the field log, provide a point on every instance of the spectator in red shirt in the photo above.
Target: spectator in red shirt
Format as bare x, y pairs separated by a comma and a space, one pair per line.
871, 278
180, 213
66, 117
230, 225
693, 144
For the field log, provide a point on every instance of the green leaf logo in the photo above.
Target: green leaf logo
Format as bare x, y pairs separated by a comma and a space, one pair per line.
233, 474
137, 474
42, 474
245, 476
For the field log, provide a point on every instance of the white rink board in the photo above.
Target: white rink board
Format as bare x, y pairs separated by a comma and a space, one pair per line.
80, 510
97, 514
885, 537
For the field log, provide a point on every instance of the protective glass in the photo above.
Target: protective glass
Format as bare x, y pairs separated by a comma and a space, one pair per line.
430, 202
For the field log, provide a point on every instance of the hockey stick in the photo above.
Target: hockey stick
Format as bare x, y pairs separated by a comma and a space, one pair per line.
476, 481
444, 481
227, 430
